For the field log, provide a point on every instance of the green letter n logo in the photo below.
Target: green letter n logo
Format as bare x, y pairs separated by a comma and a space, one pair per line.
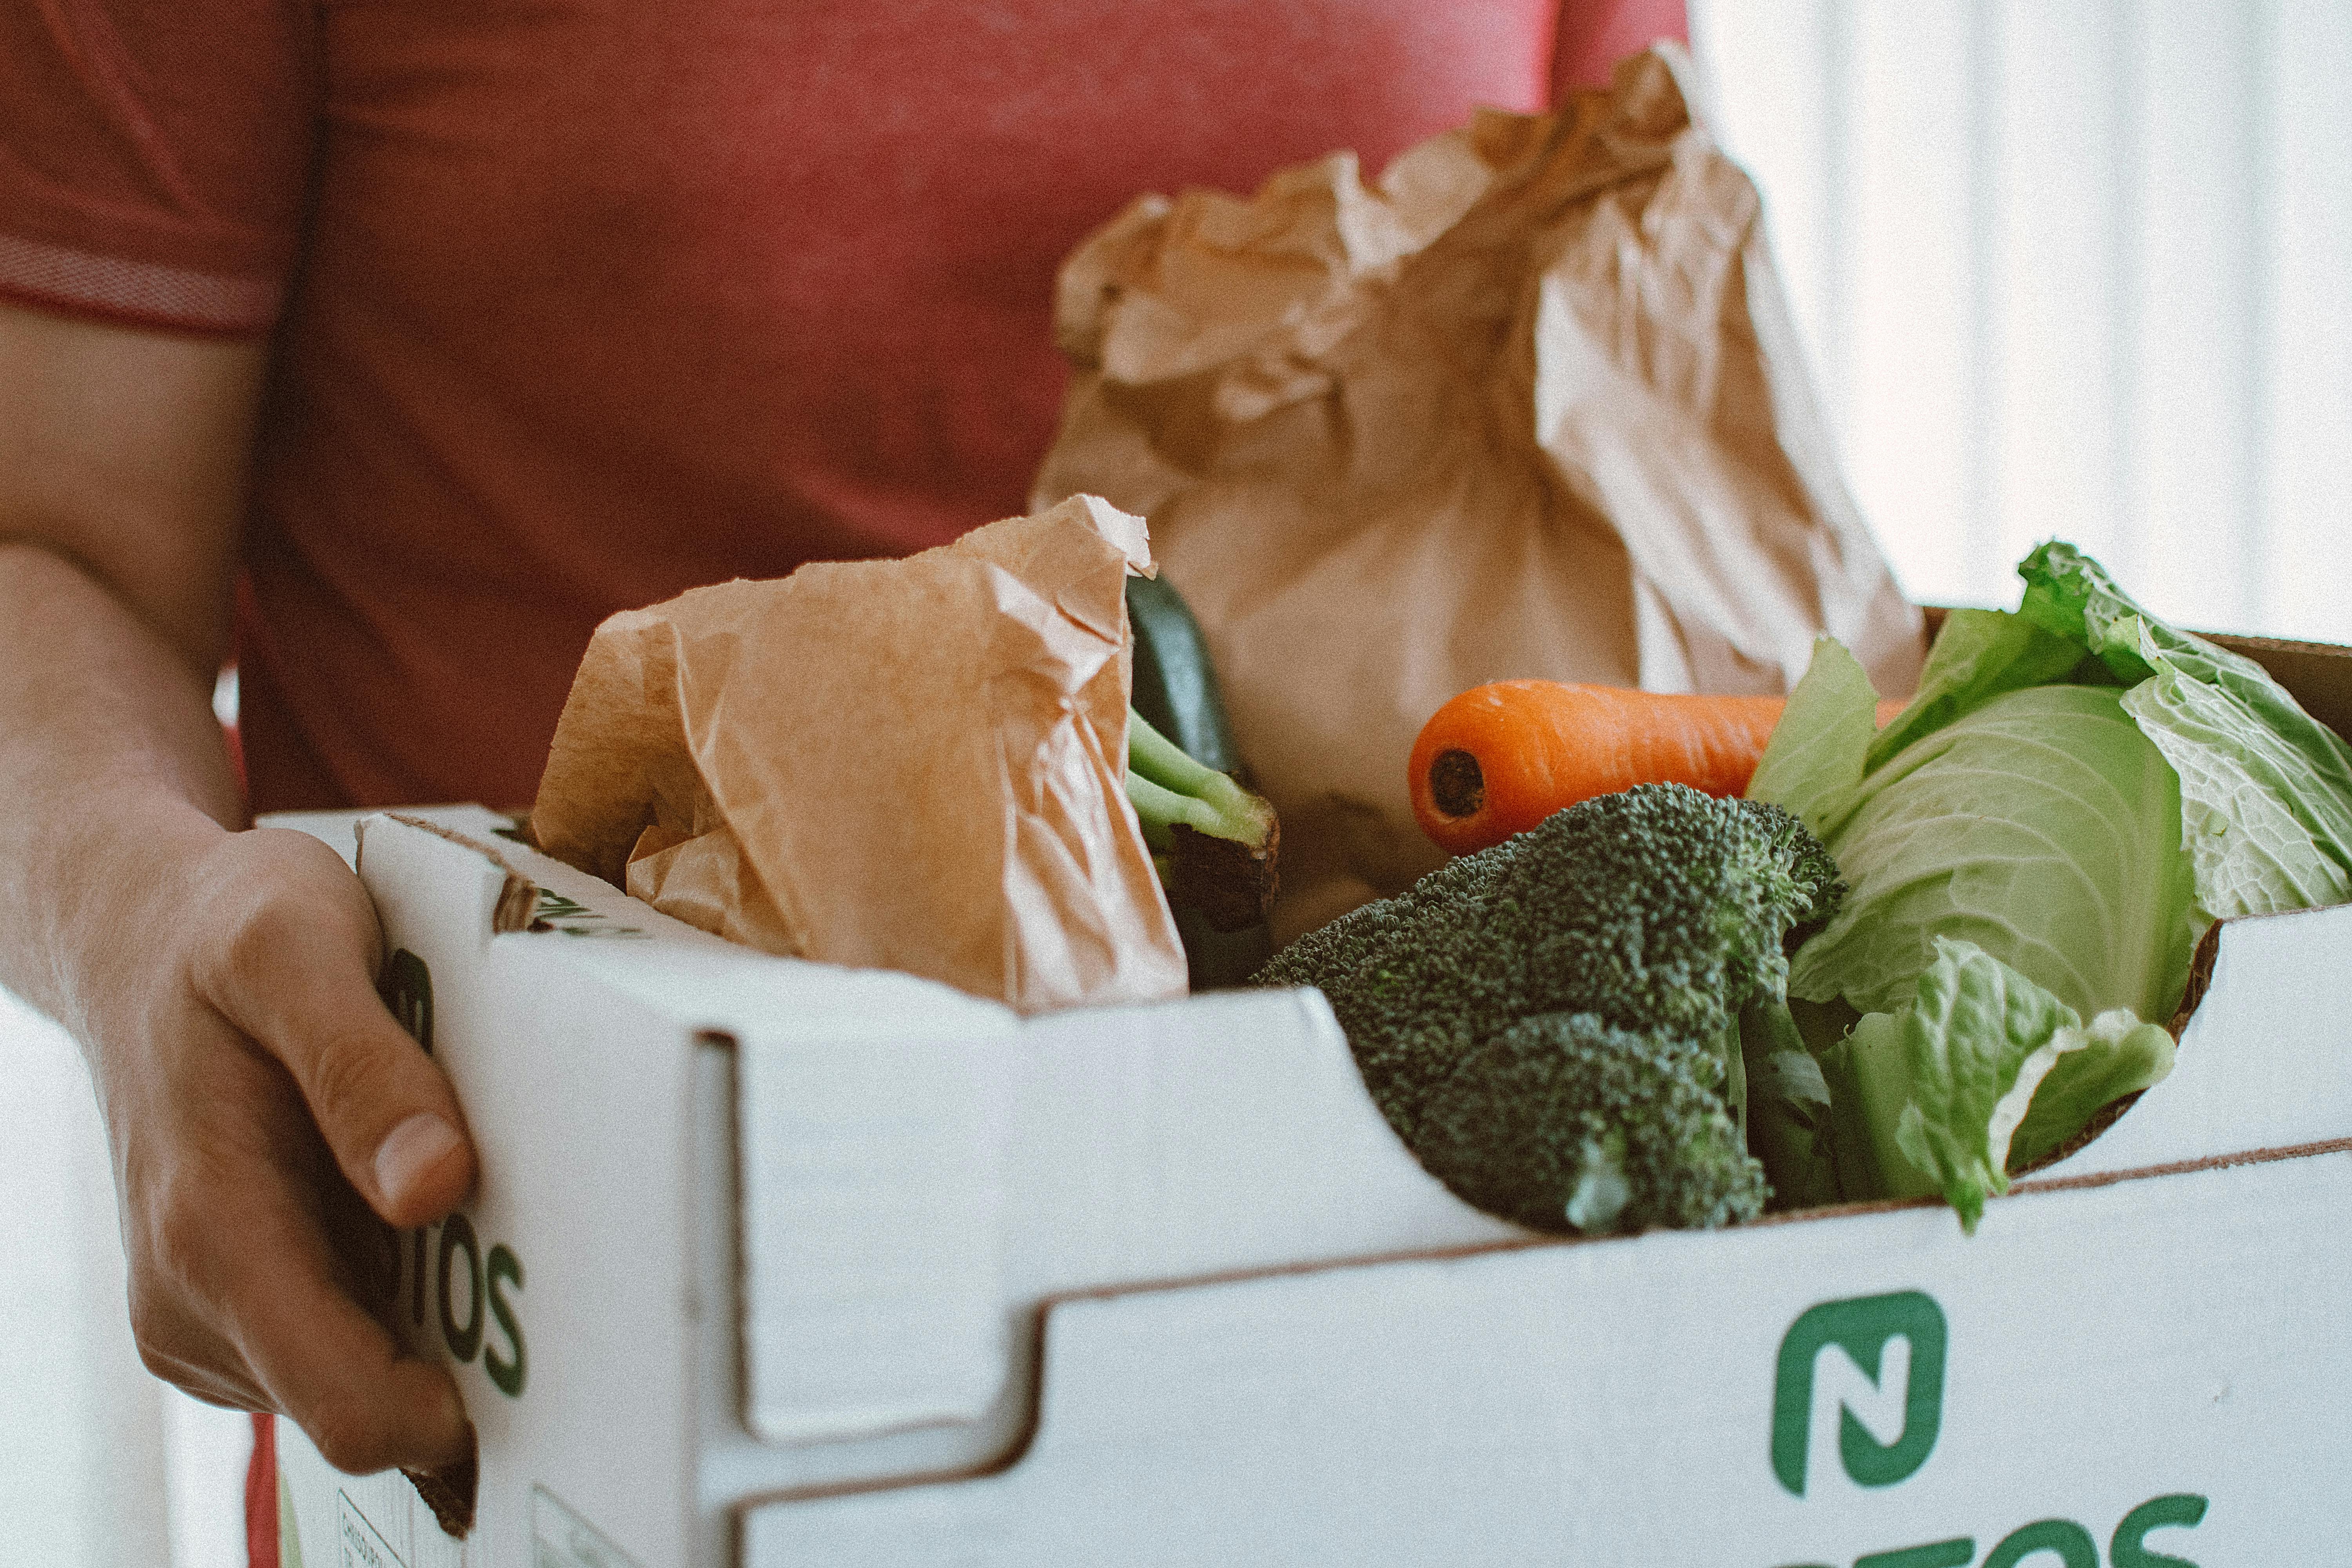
1861, 1374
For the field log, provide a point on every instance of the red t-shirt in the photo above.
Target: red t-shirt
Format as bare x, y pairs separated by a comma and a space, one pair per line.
579, 304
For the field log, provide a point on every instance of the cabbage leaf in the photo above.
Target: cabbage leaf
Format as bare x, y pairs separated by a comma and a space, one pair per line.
2266, 790
1978, 1075
2043, 828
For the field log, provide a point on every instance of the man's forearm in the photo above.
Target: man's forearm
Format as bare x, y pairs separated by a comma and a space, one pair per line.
110, 759
222, 983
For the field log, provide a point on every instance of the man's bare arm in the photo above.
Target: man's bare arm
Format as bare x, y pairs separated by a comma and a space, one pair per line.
221, 982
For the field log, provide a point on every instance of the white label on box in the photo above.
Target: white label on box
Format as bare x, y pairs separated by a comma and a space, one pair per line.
362, 1547
392, 1529
561, 1538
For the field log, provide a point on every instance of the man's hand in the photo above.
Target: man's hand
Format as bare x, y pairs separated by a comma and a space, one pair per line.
267, 1114
252, 1083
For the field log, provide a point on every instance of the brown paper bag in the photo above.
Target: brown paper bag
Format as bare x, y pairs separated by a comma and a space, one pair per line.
911, 765
1530, 405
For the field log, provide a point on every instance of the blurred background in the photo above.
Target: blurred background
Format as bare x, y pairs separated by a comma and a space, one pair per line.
2078, 268
2074, 269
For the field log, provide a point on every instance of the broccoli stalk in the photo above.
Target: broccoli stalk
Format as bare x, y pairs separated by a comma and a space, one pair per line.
1788, 1122
1212, 841
1554, 1026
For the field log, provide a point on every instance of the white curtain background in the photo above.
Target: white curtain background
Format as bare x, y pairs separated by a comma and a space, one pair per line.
2072, 268
2065, 267
99, 1464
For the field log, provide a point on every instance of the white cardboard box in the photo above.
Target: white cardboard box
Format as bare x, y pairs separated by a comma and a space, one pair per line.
775, 1263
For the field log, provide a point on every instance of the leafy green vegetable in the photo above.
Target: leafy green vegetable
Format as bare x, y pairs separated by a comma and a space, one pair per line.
1977, 1075
1978, 656
2042, 826
2266, 789
2014, 866
1813, 764
2114, 1055
2076, 792
1868, 1075
1980, 1044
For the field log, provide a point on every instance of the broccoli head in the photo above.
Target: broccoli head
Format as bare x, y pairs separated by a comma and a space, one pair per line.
1563, 1118
1553, 1024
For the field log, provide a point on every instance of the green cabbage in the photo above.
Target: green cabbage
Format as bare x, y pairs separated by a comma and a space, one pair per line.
2076, 792
2044, 828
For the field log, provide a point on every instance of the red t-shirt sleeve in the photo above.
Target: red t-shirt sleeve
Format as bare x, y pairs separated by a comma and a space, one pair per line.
1594, 35
154, 155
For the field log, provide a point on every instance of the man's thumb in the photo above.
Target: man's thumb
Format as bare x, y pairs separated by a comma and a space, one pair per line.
295, 978
422, 1169
383, 1107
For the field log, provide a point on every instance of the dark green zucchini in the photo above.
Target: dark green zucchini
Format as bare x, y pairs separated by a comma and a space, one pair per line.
1176, 692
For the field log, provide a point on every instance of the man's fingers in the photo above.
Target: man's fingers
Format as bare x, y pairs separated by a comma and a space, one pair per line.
295, 974
337, 1372
201, 1380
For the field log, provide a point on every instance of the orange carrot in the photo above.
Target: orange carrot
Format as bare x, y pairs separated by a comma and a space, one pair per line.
1500, 758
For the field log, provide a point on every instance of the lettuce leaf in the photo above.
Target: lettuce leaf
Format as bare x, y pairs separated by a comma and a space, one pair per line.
1868, 1074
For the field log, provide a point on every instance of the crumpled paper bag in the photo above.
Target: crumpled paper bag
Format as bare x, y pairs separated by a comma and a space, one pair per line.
1529, 405
912, 764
